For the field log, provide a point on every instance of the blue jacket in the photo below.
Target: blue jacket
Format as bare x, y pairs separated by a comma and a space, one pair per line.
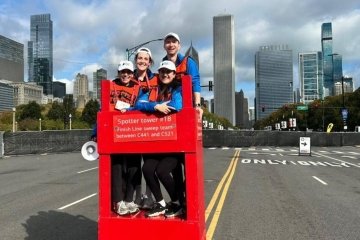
192, 69
143, 103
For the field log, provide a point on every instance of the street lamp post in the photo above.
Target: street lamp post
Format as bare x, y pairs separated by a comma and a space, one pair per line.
70, 121
13, 121
131, 51
40, 124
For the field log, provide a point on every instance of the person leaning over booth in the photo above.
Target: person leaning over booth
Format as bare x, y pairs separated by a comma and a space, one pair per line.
147, 81
185, 65
125, 168
158, 167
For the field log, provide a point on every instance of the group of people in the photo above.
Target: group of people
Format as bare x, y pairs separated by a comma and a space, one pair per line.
140, 89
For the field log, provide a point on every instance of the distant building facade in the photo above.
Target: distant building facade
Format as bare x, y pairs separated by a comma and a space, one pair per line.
40, 52
224, 67
25, 92
310, 76
81, 90
11, 60
100, 74
59, 89
6, 97
241, 110
273, 79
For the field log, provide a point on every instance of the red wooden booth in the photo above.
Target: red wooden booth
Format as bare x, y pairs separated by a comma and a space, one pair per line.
141, 133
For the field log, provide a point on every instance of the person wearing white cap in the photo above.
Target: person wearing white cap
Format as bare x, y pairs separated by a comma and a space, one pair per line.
124, 168
184, 65
158, 167
147, 80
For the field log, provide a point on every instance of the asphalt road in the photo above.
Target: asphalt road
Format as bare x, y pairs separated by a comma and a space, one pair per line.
250, 193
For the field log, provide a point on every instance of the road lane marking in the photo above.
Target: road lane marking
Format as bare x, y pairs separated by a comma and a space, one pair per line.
219, 187
73, 203
320, 180
342, 161
87, 170
215, 219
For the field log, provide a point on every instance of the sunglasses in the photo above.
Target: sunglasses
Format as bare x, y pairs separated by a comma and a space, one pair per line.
165, 71
126, 71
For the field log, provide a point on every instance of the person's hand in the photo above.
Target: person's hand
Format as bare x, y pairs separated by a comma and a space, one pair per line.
123, 110
164, 108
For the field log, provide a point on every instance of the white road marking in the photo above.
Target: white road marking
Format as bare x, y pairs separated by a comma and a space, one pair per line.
87, 170
338, 152
212, 148
352, 157
73, 203
320, 180
224, 148
337, 160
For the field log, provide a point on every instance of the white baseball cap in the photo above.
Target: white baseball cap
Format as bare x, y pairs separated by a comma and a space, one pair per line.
145, 50
171, 34
126, 65
168, 65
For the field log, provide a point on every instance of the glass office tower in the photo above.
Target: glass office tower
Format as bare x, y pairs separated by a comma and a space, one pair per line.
310, 74
224, 67
40, 52
327, 50
273, 79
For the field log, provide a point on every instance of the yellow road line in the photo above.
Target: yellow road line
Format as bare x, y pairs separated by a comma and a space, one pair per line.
214, 221
219, 187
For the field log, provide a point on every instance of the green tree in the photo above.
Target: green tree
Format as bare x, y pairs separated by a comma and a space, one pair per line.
32, 110
90, 111
56, 111
69, 108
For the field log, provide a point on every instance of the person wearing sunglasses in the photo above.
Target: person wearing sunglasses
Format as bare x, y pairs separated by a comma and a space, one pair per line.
167, 99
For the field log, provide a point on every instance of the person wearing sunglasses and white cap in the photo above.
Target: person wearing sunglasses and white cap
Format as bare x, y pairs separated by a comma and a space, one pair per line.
124, 168
184, 66
158, 167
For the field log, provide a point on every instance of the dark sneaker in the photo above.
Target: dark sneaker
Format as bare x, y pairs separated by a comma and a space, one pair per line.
156, 210
147, 203
173, 210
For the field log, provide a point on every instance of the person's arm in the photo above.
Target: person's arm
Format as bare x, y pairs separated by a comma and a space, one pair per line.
94, 134
193, 70
176, 100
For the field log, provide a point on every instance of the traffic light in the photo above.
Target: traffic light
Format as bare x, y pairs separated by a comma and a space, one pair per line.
210, 85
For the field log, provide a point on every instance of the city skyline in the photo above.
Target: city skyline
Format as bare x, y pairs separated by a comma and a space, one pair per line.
86, 38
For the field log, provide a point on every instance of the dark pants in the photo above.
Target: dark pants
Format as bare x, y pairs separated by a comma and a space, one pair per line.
158, 167
125, 175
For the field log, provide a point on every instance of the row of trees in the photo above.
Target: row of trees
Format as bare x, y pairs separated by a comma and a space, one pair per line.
320, 114
54, 116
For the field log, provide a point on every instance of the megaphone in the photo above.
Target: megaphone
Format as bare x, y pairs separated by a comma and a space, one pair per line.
89, 151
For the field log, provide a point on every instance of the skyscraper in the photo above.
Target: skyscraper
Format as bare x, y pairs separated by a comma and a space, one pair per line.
241, 110
40, 51
193, 54
224, 67
11, 60
273, 79
310, 74
99, 75
327, 50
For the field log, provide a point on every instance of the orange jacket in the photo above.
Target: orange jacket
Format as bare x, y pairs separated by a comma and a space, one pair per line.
127, 94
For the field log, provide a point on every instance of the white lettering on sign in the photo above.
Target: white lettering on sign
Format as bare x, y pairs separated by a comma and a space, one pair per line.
286, 162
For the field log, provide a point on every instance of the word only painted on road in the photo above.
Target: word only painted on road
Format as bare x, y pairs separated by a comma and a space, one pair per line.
301, 163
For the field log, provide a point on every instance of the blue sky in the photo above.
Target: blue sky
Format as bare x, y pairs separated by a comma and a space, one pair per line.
93, 34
